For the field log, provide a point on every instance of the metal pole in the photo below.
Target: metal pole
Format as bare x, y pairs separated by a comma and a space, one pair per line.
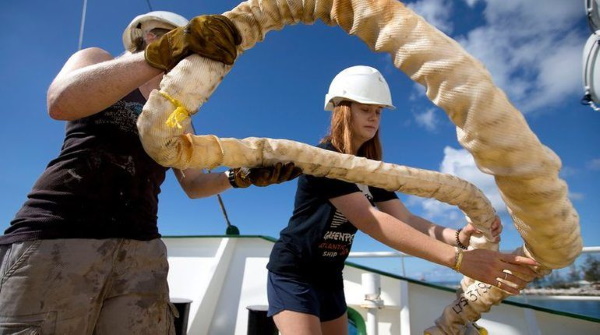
83, 14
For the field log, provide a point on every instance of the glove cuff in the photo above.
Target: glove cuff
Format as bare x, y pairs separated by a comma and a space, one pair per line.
231, 178
153, 63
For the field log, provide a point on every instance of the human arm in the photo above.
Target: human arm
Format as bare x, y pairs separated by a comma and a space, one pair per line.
92, 80
198, 184
396, 208
479, 264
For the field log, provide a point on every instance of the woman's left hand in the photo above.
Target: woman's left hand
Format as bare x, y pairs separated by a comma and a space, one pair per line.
508, 272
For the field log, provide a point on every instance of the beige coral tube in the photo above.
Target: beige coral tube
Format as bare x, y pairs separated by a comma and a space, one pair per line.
488, 126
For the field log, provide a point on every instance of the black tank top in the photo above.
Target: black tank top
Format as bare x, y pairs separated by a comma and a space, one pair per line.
102, 184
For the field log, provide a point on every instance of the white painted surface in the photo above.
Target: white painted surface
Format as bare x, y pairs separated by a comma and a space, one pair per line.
223, 276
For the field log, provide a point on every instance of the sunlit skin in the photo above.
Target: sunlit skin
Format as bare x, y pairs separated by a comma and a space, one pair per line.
365, 122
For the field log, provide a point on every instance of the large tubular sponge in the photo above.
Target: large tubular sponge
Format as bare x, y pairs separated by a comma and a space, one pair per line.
487, 125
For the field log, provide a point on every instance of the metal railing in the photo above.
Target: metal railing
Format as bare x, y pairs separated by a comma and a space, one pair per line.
402, 256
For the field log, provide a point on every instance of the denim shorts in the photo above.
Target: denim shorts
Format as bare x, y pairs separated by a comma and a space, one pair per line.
285, 293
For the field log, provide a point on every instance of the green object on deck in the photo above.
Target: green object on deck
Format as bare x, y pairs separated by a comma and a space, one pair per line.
356, 320
232, 230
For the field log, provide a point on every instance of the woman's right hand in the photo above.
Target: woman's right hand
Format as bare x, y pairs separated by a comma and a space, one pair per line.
507, 272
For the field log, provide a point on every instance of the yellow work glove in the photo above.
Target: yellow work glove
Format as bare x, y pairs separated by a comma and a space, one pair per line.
263, 176
211, 36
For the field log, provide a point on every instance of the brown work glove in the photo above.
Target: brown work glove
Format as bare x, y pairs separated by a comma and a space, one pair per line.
263, 176
210, 36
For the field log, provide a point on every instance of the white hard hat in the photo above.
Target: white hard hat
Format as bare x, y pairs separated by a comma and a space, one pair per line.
360, 83
146, 22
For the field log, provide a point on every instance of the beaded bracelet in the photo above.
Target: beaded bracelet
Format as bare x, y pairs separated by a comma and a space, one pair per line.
458, 243
458, 257
231, 178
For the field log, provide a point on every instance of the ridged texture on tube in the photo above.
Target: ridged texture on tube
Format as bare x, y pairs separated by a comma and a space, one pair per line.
190, 83
487, 125
319, 162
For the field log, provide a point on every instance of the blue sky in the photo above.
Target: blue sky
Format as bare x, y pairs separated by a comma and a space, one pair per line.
276, 90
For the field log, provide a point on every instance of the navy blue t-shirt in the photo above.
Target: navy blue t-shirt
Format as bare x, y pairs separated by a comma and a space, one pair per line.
318, 238
101, 185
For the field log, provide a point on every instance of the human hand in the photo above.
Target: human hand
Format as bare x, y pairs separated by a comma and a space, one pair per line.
263, 176
496, 229
464, 235
211, 36
508, 272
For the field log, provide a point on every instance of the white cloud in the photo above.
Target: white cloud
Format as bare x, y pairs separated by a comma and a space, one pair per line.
436, 12
530, 50
471, 3
427, 119
567, 171
594, 164
459, 162
418, 92
576, 196
533, 52
433, 209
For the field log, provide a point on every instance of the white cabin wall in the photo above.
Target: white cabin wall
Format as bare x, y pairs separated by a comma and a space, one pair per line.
222, 276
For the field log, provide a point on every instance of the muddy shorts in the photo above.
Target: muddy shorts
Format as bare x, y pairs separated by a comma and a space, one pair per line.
85, 286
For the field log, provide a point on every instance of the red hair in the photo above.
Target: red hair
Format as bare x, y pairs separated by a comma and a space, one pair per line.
340, 134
